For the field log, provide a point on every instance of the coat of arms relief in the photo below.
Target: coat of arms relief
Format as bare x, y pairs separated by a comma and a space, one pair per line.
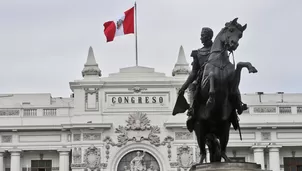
184, 158
138, 129
91, 160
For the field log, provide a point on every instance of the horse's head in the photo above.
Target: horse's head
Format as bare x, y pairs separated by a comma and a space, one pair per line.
232, 33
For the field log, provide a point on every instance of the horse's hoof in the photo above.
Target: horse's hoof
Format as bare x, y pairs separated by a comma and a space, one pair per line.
253, 70
226, 158
202, 158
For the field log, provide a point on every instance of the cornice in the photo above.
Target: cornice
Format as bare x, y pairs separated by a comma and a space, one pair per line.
247, 125
57, 127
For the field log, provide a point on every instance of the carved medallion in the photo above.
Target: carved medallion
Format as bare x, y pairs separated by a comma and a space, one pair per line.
138, 121
92, 158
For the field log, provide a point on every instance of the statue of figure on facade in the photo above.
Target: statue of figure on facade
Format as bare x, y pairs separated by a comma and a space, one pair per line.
126, 168
151, 168
216, 99
137, 163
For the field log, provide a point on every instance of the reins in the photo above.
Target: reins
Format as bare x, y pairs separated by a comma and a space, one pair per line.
221, 51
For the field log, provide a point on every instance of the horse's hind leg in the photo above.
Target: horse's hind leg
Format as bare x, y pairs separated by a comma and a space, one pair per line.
199, 132
224, 139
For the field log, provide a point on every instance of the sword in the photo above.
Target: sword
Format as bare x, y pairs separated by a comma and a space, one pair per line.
239, 129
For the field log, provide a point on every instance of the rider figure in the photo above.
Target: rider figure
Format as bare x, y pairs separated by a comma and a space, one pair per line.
200, 56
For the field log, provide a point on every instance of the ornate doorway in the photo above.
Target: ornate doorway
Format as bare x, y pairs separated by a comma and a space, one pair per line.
138, 161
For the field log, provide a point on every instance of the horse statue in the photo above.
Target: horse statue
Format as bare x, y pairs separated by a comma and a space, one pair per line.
219, 94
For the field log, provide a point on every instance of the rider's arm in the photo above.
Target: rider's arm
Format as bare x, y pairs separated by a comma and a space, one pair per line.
192, 75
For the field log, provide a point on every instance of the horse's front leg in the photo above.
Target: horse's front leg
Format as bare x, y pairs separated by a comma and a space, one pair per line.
211, 100
237, 76
235, 84
199, 130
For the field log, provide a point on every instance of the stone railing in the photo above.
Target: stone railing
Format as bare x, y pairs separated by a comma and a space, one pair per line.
49, 112
34, 112
29, 112
274, 110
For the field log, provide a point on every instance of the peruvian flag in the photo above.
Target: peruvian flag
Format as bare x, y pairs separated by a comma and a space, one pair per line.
122, 26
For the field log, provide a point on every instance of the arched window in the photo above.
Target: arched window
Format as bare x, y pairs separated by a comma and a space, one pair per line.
139, 161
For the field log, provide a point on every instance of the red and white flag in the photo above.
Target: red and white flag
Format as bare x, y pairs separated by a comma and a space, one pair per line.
122, 26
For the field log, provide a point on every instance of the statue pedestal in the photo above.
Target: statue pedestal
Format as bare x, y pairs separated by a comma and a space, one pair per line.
234, 166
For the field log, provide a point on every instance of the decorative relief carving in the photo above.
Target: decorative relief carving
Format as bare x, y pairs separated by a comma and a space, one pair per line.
84, 165
95, 102
69, 137
77, 155
299, 109
92, 157
265, 109
9, 112
197, 153
76, 137
91, 136
7, 138
107, 146
138, 122
174, 164
285, 110
183, 136
265, 135
137, 89
184, 158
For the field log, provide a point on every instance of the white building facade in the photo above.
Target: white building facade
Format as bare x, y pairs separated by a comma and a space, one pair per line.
124, 122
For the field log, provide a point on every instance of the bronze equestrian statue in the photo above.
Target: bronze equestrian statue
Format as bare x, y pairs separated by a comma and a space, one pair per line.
217, 98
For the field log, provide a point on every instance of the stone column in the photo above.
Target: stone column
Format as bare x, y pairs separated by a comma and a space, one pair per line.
274, 157
1, 160
259, 155
64, 159
15, 159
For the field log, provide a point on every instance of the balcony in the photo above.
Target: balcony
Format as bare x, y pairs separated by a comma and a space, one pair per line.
34, 112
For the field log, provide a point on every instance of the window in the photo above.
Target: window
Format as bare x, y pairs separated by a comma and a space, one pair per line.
41, 165
146, 162
292, 163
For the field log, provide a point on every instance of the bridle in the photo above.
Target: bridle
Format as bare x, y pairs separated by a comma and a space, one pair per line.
220, 52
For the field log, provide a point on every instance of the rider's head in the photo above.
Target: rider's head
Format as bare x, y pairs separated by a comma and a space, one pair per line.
138, 153
206, 35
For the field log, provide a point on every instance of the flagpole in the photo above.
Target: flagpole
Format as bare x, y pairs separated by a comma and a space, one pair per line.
136, 50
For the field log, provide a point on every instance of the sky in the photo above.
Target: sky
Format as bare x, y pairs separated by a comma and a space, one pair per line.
44, 43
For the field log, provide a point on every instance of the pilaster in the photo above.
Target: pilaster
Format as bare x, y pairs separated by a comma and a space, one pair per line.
64, 159
15, 159
274, 157
1, 159
259, 154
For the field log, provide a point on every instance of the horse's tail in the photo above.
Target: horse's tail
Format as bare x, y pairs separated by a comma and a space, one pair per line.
213, 144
